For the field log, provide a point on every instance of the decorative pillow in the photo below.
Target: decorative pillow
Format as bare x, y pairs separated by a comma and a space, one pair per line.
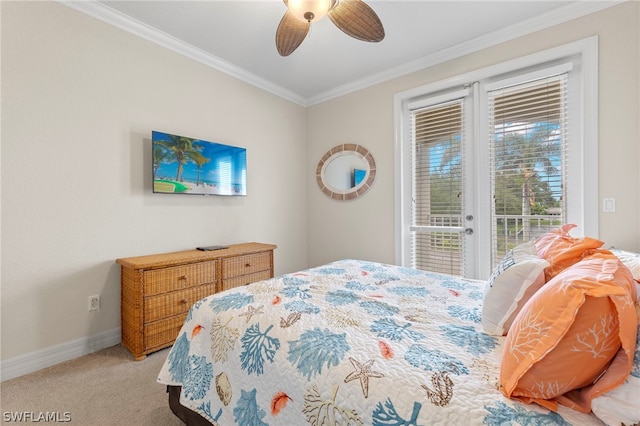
563, 250
564, 338
620, 406
629, 259
513, 282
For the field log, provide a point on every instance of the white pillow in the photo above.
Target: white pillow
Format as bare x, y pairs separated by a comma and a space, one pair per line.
630, 260
620, 405
514, 281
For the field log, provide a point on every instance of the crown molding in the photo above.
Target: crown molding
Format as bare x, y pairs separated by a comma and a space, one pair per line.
538, 23
117, 19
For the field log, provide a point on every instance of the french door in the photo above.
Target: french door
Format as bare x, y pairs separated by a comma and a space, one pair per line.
525, 122
442, 220
484, 166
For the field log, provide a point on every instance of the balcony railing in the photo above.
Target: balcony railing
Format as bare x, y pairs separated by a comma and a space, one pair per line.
442, 251
512, 230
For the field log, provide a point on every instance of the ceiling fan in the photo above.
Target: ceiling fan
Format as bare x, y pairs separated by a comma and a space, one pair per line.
353, 17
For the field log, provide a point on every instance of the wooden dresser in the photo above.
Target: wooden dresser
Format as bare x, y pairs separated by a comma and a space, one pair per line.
159, 289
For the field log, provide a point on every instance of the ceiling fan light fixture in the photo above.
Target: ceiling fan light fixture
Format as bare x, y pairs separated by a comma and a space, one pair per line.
352, 17
309, 10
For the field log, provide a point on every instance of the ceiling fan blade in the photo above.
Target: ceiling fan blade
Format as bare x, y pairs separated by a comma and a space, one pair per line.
291, 32
357, 20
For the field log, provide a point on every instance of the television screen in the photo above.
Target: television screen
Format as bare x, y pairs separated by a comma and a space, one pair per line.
183, 165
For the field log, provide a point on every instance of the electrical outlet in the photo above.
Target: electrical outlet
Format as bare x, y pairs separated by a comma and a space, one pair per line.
94, 302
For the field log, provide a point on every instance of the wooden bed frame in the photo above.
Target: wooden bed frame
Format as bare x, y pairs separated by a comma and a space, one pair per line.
190, 418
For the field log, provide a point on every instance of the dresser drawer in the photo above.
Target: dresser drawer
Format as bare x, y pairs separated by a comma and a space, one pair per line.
245, 279
176, 302
247, 264
162, 333
157, 281
158, 290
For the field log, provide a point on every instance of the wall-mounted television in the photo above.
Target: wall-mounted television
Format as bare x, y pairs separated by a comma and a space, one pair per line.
183, 165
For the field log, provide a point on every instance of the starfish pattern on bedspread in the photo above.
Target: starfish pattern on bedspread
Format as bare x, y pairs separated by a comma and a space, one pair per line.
363, 372
251, 311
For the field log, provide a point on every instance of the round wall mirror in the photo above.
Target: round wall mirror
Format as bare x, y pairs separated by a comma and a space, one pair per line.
346, 172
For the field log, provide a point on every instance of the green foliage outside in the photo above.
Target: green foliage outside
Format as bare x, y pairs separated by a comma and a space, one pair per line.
524, 166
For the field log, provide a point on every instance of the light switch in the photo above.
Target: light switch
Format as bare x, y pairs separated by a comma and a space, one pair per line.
608, 205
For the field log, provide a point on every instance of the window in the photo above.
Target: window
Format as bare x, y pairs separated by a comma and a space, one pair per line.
528, 141
507, 156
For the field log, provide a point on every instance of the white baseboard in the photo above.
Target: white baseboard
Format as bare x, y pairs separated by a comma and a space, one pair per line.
53, 355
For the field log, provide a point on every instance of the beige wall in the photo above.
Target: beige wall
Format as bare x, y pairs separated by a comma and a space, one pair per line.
79, 101
80, 98
364, 228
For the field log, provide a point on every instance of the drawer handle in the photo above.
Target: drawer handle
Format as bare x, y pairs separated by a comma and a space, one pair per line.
246, 265
184, 301
183, 277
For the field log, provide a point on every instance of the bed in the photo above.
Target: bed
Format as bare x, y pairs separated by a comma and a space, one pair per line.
348, 343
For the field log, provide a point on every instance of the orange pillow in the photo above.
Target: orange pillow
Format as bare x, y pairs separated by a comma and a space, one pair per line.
562, 250
569, 333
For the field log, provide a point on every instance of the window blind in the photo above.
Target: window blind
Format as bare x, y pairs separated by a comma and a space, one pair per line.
527, 126
437, 165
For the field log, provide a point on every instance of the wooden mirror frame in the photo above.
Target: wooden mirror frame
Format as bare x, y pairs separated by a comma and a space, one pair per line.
351, 193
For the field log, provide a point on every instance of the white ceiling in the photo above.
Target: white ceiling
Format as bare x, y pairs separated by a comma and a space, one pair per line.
238, 37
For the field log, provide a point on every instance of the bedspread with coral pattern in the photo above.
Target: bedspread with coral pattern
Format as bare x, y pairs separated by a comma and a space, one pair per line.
348, 343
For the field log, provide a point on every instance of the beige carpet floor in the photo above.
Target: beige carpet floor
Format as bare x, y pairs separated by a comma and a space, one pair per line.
103, 388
